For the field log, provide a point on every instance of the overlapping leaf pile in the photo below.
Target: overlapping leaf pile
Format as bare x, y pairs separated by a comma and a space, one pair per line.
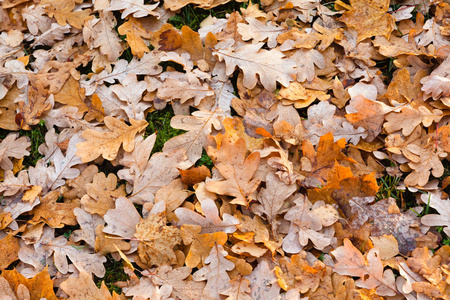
289, 100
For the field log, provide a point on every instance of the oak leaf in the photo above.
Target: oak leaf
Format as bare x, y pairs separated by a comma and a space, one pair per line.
122, 220
369, 19
368, 114
259, 31
199, 125
272, 199
100, 34
13, 146
408, 118
135, 33
54, 214
271, 66
306, 224
108, 143
159, 171
101, 194
237, 170
130, 91
88, 222
84, 287
322, 120
263, 282
351, 262
135, 7
435, 201
239, 289
296, 273
38, 287
211, 222
9, 250
63, 12
215, 272
156, 240
165, 281
200, 244
82, 258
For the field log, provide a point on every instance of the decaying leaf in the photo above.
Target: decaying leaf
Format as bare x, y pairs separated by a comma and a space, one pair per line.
229, 156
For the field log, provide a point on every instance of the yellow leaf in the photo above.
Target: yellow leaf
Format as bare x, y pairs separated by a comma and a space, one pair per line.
135, 34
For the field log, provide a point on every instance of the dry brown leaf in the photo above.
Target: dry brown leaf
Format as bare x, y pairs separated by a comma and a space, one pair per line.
9, 250
135, 34
156, 241
351, 262
84, 287
201, 244
101, 194
108, 143
55, 214
40, 286
237, 170
369, 18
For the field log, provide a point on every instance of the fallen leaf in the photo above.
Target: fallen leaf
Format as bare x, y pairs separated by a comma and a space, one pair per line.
107, 143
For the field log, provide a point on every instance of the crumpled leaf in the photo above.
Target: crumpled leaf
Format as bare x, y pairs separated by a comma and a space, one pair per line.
156, 240
369, 18
272, 199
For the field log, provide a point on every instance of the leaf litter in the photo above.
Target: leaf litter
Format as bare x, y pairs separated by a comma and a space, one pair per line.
304, 108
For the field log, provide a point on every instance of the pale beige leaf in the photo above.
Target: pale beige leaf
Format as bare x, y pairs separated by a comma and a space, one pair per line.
271, 66
442, 206
13, 147
272, 199
239, 289
135, 7
211, 222
199, 125
215, 273
100, 33
259, 31
122, 220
